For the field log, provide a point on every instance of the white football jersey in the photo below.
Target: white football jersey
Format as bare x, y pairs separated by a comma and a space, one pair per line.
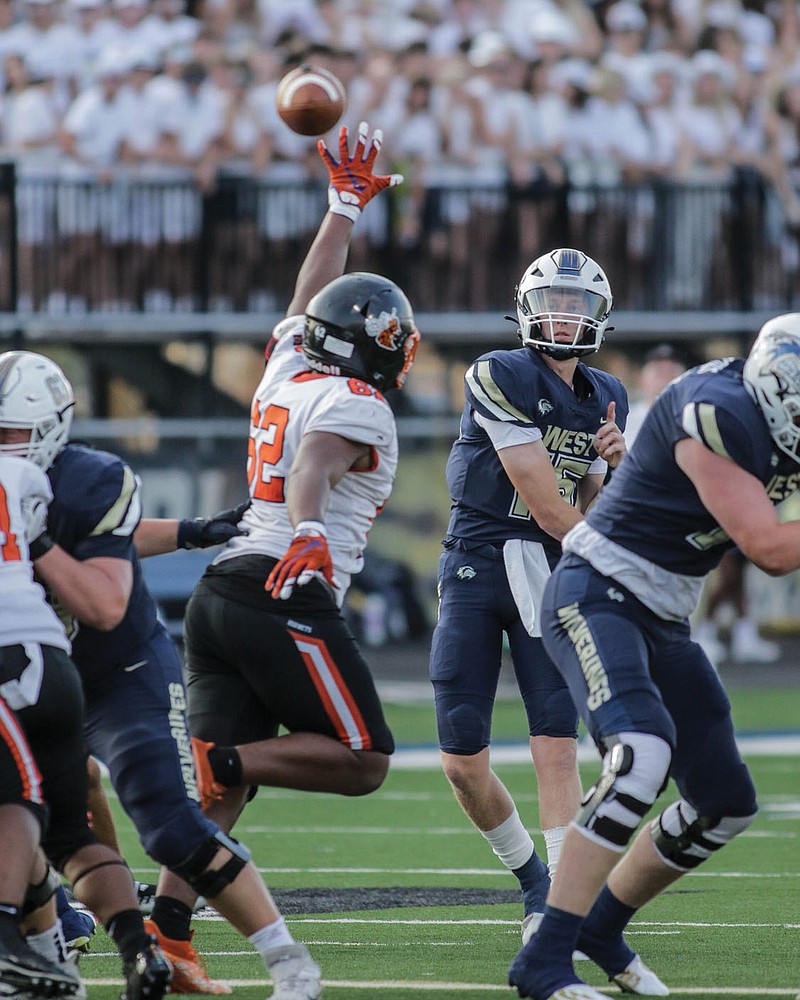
292, 401
25, 615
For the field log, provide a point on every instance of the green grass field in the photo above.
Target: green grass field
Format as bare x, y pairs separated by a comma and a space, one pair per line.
397, 896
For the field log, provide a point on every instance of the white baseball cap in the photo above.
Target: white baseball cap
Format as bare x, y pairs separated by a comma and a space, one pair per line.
626, 16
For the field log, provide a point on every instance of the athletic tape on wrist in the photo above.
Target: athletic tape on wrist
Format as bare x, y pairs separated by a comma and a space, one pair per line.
310, 528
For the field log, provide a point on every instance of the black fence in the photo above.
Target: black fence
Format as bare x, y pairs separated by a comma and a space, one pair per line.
154, 246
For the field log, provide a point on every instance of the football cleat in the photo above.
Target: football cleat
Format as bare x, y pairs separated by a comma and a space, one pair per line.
209, 788
77, 927
189, 973
146, 894
148, 975
530, 925
25, 971
636, 977
294, 972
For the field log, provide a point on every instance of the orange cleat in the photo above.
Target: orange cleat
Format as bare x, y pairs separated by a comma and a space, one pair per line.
189, 973
209, 789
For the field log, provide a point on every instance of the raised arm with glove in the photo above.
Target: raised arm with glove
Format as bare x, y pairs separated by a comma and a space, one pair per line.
352, 185
352, 181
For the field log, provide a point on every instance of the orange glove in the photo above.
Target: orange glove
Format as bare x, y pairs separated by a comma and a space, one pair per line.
352, 182
307, 558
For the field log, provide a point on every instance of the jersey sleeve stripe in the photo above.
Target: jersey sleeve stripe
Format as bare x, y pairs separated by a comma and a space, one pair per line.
123, 515
708, 422
488, 393
339, 704
699, 420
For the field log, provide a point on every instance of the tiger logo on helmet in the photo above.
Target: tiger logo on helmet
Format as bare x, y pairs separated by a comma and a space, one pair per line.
361, 325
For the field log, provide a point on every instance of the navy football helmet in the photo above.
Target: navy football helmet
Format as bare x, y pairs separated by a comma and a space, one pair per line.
563, 302
361, 325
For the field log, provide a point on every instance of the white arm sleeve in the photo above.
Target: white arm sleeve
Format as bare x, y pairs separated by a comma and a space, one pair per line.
506, 435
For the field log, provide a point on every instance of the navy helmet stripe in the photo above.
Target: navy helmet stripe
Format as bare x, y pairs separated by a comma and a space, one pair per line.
569, 262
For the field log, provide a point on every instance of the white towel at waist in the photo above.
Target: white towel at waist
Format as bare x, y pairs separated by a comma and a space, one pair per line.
527, 570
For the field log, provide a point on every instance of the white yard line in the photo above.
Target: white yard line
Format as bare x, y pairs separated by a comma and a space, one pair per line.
727, 991
421, 758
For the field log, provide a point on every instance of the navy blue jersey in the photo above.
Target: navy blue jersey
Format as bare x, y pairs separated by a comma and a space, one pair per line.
518, 387
94, 512
651, 507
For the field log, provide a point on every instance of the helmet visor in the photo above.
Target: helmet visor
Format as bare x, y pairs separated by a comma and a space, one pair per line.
563, 316
571, 303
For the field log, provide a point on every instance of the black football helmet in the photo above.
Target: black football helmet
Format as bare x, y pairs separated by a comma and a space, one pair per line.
361, 324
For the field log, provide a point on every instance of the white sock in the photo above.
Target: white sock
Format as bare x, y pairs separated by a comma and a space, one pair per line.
50, 943
271, 936
510, 841
553, 838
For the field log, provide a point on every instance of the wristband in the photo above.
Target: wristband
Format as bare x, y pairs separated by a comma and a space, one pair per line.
310, 528
40, 546
339, 204
188, 533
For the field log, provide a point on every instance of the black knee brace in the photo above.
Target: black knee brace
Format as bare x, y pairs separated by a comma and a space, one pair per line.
37, 895
685, 840
194, 869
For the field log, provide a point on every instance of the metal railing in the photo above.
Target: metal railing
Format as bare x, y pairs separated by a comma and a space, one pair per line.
70, 248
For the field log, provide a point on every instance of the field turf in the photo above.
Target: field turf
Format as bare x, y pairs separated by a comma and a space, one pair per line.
399, 898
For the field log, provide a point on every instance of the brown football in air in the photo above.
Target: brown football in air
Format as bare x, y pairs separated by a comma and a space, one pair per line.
311, 100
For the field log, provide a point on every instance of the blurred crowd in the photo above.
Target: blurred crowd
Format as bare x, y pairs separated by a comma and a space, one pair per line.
613, 90
510, 95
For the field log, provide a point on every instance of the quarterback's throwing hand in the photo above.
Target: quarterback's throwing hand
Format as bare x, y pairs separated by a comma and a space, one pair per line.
352, 182
306, 559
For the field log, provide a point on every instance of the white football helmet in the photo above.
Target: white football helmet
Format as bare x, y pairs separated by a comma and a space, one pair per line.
35, 395
563, 302
772, 377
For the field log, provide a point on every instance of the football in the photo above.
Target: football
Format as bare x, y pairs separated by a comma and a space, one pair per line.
311, 100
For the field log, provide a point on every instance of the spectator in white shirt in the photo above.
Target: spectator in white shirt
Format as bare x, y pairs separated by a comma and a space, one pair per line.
93, 216
28, 131
238, 266
192, 141
708, 125
170, 24
95, 32
47, 44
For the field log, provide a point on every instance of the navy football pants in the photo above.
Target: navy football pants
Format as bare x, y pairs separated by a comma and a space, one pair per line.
136, 724
476, 608
631, 671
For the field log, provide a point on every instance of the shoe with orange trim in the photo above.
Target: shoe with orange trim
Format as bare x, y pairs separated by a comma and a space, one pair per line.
209, 789
189, 973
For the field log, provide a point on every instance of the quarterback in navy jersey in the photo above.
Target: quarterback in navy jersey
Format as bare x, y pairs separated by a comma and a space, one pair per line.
538, 432
566, 418
719, 448
135, 719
